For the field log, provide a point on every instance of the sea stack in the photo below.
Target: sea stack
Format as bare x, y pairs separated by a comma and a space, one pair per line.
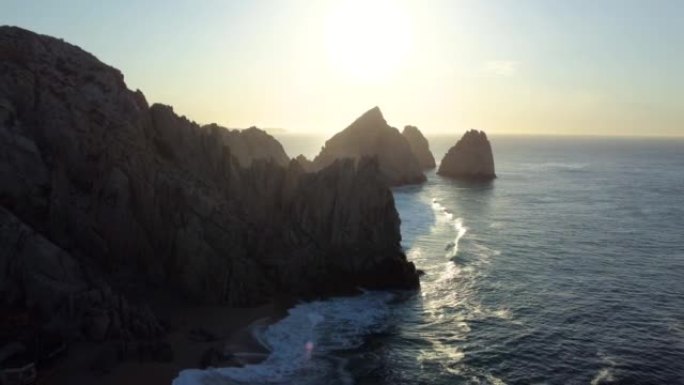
470, 158
104, 197
371, 136
419, 146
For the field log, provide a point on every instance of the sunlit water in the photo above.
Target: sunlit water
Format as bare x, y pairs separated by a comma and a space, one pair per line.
567, 269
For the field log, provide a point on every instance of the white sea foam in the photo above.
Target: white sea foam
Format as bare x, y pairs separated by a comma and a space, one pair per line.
452, 297
494, 380
450, 272
606, 374
460, 232
501, 314
446, 215
301, 342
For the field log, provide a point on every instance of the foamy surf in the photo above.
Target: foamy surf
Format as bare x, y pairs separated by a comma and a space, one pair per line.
446, 215
450, 294
303, 343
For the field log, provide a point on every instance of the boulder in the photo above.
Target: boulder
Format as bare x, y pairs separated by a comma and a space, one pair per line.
371, 136
419, 146
470, 158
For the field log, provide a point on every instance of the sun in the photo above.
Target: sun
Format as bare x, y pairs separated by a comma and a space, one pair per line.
368, 40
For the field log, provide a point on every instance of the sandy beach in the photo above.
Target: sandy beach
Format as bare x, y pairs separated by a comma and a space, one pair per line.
199, 336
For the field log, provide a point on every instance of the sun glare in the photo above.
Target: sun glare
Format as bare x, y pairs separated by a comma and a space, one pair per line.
368, 41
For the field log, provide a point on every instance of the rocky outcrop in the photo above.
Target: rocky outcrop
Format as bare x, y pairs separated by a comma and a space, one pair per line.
41, 276
371, 136
305, 163
246, 146
419, 146
252, 144
112, 193
470, 158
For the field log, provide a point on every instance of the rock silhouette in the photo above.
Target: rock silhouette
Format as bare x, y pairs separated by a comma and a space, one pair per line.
252, 144
419, 146
305, 163
100, 192
470, 158
370, 135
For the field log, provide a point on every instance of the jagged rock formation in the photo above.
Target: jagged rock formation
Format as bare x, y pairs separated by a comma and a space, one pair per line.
419, 146
253, 143
370, 135
305, 163
36, 272
470, 158
99, 191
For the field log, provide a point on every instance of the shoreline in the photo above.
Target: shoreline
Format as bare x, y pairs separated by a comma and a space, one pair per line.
199, 337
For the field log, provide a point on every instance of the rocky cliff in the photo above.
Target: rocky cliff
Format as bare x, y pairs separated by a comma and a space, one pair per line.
253, 143
470, 158
419, 146
101, 193
305, 163
371, 136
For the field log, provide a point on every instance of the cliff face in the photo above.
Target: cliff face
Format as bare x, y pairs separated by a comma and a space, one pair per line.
71, 295
124, 193
470, 158
419, 146
371, 136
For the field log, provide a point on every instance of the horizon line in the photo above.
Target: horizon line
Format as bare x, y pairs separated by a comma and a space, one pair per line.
283, 131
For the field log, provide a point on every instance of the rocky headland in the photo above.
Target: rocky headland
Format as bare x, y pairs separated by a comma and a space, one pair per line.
371, 136
104, 198
419, 146
252, 144
470, 158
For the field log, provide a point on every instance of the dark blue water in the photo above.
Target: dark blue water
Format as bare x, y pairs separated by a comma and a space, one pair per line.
567, 269
571, 269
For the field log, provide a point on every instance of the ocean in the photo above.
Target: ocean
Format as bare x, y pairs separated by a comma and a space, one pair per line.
567, 269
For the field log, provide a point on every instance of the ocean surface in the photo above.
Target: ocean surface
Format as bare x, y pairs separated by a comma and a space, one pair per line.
567, 269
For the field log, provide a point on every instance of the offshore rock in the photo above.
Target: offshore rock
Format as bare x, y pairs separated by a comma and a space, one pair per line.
371, 136
470, 158
419, 146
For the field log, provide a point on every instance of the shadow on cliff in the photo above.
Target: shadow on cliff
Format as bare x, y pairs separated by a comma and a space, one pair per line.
100, 191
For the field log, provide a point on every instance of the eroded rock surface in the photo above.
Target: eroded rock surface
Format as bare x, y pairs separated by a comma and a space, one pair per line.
252, 144
470, 158
371, 136
110, 192
419, 146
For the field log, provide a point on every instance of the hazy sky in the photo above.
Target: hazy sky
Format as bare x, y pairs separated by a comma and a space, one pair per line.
554, 67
